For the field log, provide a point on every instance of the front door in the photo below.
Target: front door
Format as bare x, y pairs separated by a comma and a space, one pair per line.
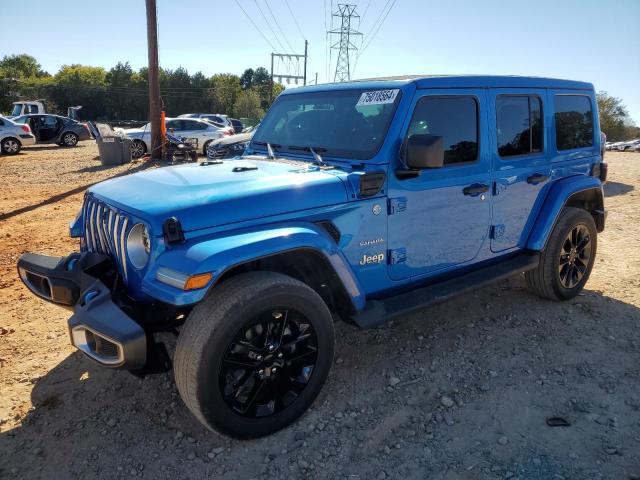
48, 128
441, 219
520, 167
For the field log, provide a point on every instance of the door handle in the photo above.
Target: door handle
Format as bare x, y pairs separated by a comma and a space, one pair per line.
537, 178
475, 189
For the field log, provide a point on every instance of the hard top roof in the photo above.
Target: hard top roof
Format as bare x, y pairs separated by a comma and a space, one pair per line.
451, 81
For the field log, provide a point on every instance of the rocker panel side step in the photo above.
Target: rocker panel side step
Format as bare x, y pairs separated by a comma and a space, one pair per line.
376, 312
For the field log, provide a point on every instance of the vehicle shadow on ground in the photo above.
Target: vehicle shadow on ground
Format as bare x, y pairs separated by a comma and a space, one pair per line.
89, 421
612, 189
61, 196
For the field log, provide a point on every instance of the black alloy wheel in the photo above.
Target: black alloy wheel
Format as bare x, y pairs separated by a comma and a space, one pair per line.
269, 363
574, 256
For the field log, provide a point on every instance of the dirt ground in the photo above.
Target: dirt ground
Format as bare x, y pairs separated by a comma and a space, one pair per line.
457, 391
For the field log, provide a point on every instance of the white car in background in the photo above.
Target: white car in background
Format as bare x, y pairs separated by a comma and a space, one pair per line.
217, 118
197, 132
13, 136
630, 145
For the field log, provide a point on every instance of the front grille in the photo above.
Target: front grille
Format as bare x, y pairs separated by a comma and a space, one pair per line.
105, 230
217, 153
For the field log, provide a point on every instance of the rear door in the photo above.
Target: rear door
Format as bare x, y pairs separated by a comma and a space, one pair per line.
195, 132
520, 164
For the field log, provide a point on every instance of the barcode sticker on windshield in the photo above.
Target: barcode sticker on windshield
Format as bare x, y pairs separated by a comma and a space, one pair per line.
378, 97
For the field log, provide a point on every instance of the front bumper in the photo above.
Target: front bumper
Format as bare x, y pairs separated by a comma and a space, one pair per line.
84, 283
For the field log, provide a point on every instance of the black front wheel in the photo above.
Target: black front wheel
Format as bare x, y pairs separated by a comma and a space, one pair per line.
254, 355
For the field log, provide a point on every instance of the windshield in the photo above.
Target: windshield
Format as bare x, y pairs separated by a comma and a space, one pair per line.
342, 123
17, 110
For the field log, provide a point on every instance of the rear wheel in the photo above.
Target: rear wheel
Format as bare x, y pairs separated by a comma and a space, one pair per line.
69, 139
138, 149
10, 146
254, 355
567, 261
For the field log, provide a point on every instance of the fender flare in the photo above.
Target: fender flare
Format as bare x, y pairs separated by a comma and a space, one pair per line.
219, 254
561, 194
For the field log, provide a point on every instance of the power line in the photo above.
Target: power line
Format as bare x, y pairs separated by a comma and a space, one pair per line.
373, 35
255, 26
296, 20
284, 36
264, 17
365, 12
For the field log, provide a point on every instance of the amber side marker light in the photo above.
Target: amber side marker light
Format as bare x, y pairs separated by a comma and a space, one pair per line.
195, 282
181, 280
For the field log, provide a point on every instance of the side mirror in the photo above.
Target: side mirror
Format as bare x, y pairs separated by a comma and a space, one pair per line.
424, 151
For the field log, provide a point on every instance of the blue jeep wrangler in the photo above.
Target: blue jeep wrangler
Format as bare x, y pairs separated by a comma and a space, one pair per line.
357, 201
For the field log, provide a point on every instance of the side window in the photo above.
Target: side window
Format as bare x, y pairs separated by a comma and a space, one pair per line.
453, 118
519, 125
191, 125
574, 122
174, 124
1, 123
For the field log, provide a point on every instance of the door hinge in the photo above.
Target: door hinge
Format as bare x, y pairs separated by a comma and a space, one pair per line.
399, 255
496, 231
396, 205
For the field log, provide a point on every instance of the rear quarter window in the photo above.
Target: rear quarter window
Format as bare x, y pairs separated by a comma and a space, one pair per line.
574, 122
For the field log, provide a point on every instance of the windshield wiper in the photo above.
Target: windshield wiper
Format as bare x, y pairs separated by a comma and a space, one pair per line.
314, 151
271, 147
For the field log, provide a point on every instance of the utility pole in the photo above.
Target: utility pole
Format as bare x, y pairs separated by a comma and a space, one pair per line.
347, 14
306, 45
154, 80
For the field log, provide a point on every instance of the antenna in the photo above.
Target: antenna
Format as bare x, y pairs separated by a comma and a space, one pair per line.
347, 16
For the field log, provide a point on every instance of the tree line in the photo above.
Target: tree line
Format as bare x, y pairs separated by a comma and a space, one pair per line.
121, 93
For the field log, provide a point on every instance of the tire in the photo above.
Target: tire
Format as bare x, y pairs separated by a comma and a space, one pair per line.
10, 146
138, 148
204, 148
69, 139
224, 339
562, 281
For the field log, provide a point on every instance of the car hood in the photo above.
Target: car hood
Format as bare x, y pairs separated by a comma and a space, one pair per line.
202, 196
233, 139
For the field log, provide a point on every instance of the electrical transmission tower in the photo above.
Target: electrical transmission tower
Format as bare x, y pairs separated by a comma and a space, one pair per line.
347, 18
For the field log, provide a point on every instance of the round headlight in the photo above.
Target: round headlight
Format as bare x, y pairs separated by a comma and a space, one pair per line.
138, 245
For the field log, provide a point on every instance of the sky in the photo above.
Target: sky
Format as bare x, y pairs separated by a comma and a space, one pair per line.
587, 40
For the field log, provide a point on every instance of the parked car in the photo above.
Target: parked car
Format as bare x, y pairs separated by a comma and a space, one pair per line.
229, 147
238, 126
357, 201
198, 132
14, 136
49, 128
218, 118
630, 145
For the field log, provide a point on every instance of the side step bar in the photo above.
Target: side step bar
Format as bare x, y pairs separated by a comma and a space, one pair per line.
377, 312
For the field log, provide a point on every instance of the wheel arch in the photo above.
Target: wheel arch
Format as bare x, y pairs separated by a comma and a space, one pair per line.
581, 192
308, 265
11, 137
